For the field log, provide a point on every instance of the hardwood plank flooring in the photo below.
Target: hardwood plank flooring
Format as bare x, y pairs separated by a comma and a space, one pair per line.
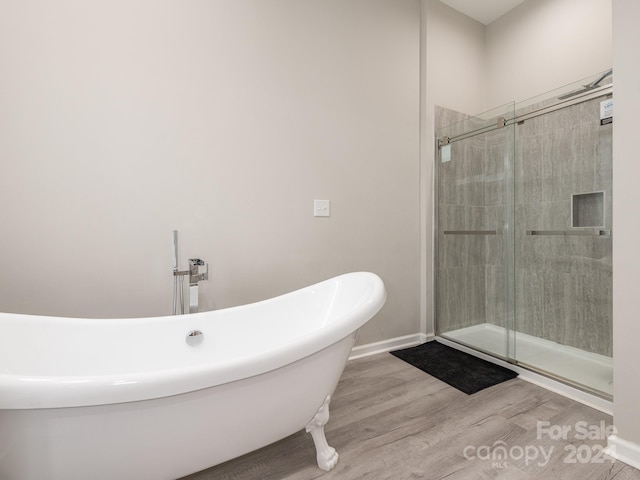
390, 420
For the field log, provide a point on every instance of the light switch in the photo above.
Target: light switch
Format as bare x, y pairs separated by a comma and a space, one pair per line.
321, 208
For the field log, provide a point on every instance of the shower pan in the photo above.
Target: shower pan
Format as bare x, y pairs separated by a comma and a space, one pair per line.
523, 233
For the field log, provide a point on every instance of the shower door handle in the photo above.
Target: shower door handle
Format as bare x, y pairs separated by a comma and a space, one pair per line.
470, 232
587, 233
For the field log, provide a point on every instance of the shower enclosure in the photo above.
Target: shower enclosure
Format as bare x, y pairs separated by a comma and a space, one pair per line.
523, 232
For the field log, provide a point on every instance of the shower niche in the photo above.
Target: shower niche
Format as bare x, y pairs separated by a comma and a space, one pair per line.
523, 234
587, 210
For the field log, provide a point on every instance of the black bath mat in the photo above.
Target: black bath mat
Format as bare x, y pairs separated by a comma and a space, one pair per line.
465, 372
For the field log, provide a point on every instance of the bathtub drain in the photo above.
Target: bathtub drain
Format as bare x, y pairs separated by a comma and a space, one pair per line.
194, 337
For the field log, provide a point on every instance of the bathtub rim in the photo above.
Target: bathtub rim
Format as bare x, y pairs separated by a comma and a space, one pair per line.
38, 392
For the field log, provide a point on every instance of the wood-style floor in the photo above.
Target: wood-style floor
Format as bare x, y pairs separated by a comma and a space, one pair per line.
392, 421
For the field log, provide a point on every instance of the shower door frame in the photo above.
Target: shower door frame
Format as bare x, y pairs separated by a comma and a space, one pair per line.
508, 232
501, 121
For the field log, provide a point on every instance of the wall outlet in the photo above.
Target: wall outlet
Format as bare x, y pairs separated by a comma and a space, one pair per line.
321, 208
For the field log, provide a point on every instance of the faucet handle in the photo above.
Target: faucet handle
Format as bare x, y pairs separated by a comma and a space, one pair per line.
194, 270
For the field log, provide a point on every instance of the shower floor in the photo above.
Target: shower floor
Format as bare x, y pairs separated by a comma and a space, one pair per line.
591, 370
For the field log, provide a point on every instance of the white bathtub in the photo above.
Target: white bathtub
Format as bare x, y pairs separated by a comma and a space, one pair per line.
130, 399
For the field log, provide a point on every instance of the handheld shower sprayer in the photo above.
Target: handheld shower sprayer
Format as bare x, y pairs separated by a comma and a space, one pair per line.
175, 250
178, 280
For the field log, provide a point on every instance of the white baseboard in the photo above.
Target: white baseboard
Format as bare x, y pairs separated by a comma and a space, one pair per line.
623, 450
397, 343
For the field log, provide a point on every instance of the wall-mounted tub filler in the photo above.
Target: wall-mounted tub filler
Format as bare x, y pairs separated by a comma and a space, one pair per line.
198, 271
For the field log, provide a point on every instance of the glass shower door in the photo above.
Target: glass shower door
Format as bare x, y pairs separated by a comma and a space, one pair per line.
563, 244
474, 244
523, 232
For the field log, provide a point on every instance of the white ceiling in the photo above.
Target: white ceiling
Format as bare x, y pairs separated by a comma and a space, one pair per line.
484, 11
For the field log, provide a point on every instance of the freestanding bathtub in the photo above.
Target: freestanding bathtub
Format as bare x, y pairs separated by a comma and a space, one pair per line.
160, 398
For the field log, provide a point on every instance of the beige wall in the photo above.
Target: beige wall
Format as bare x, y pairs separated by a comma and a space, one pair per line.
456, 59
626, 198
545, 44
120, 121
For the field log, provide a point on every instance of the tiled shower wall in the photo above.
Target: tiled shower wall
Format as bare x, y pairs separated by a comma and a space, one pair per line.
563, 283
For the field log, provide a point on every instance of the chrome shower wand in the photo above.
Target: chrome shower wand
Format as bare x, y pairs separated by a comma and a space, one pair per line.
175, 250
178, 280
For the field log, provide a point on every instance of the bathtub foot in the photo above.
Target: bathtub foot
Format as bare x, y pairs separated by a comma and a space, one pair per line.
327, 456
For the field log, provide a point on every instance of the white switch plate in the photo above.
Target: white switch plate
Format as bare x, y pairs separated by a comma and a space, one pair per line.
321, 208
